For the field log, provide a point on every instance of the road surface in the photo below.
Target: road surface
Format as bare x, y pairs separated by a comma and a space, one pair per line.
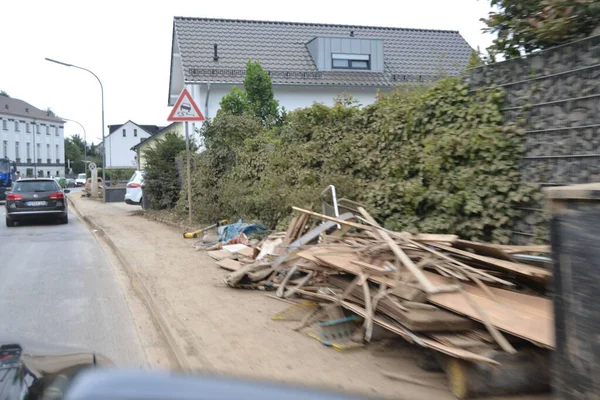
57, 286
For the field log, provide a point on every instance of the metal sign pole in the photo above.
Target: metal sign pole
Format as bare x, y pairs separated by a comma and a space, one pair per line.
189, 171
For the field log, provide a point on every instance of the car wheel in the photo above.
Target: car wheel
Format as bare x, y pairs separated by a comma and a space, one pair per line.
64, 219
10, 223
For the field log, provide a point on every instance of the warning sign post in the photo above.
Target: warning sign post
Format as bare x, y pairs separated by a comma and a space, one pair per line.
186, 110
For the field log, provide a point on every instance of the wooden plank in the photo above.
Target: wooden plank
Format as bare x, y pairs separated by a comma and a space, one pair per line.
542, 248
506, 313
529, 271
398, 252
457, 340
483, 249
219, 254
421, 340
229, 264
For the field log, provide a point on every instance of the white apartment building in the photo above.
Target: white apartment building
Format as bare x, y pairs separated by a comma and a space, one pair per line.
32, 138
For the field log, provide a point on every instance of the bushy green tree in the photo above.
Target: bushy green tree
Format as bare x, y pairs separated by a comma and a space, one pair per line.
523, 26
161, 179
74, 153
258, 99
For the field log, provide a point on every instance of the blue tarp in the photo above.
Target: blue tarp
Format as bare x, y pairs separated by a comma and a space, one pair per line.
228, 232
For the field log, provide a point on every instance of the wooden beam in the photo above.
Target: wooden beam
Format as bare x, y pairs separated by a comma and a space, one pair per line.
406, 261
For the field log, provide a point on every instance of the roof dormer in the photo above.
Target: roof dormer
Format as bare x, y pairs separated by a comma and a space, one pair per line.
346, 54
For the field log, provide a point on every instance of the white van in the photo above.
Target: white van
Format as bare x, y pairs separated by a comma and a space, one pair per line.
80, 180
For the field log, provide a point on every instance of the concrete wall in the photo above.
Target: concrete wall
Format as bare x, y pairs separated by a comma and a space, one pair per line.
118, 147
289, 96
556, 93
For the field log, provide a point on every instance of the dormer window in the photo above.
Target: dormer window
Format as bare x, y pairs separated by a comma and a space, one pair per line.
350, 61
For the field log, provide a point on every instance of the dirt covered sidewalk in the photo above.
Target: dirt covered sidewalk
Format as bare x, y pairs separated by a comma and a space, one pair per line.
225, 331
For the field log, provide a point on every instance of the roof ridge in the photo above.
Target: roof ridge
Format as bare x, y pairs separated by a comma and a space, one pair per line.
312, 24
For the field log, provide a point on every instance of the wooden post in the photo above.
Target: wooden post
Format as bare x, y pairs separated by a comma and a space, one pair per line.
189, 171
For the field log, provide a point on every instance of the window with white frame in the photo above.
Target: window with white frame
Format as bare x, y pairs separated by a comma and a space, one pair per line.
17, 152
16, 126
48, 155
38, 151
5, 124
28, 127
28, 150
350, 61
47, 130
37, 129
57, 152
5, 148
124, 133
135, 133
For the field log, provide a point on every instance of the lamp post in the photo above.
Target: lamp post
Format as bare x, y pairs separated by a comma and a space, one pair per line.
102, 94
84, 139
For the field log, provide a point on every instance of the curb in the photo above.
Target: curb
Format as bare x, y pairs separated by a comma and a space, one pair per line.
140, 288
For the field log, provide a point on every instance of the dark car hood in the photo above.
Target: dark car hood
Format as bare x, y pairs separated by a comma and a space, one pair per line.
29, 367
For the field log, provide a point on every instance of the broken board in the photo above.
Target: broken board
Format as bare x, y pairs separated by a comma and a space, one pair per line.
229, 264
242, 249
525, 270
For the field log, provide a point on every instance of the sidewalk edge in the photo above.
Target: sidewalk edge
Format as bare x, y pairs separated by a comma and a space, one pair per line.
138, 285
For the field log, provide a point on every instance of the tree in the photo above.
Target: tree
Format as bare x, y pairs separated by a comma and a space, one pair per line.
259, 93
3, 93
234, 102
523, 26
74, 153
258, 99
160, 176
49, 112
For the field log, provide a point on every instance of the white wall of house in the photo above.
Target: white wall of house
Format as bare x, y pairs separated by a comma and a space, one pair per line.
289, 96
119, 143
35, 145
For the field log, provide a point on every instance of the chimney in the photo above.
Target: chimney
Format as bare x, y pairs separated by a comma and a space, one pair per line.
216, 55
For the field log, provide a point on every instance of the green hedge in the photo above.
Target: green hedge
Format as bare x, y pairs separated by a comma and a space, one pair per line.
437, 159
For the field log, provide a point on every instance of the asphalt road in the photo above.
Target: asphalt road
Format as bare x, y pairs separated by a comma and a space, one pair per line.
57, 286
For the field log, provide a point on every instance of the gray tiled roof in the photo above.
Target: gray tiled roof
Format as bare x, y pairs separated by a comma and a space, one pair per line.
20, 108
281, 48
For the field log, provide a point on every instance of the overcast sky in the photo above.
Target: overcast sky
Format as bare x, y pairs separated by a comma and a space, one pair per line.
127, 43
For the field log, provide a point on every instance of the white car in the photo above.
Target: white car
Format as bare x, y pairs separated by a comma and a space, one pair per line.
80, 180
134, 193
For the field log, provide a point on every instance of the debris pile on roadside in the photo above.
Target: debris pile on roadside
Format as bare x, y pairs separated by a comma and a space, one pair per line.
355, 281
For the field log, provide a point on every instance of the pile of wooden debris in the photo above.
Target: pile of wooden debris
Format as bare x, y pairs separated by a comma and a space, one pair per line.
466, 300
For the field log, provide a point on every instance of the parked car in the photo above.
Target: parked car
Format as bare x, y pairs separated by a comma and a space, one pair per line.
71, 183
80, 181
134, 192
35, 199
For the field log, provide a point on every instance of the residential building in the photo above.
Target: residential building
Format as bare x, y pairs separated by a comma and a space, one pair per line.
141, 147
121, 138
33, 138
307, 62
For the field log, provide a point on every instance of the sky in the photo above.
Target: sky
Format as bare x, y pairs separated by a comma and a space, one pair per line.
127, 44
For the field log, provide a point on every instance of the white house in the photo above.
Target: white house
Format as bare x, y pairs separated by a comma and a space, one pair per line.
120, 140
33, 138
307, 62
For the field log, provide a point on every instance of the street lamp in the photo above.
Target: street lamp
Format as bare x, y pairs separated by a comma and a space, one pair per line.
84, 139
102, 93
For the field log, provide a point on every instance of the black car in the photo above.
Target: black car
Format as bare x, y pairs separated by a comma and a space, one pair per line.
34, 199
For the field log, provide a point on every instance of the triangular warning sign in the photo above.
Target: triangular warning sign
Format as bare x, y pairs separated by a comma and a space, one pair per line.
185, 109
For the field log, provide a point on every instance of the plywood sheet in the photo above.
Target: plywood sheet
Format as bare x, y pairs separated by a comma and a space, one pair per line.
528, 317
219, 254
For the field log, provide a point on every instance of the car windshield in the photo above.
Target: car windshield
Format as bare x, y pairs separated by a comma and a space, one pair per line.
4, 166
81, 176
36, 186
